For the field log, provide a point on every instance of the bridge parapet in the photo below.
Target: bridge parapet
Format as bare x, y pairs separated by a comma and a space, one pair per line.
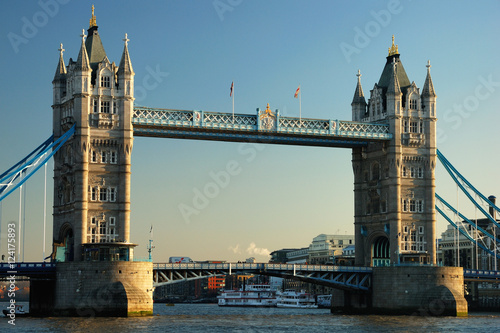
145, 118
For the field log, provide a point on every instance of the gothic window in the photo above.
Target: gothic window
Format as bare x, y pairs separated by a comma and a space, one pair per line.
405, 207
112, 221
93, 158
421, 229
404, 171
383, 206
420, 172
115, 108
96, 108
104, 106
112, 194
405, 126
93, 194
375, 171
105, 81
421, 127
413, 102
103, 194
113, 157
412, 172
412, 206
420, 206
104, 156
413, 127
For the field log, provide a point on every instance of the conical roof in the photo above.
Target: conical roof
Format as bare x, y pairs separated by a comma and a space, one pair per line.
359, 96
428, 89
125, 63
82, 62
61, 68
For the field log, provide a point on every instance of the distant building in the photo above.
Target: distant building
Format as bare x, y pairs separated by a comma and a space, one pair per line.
455, 249
299, 256
347, 258
324, 248
279, 256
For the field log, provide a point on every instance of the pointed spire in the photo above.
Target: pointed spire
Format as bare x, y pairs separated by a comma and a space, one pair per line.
125, 63
393, 50
394, 87
82, 63
61, 68
92, 21
359, 96
428, 89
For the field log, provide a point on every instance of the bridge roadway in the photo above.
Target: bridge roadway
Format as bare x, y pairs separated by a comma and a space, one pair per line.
264, 127
341, 277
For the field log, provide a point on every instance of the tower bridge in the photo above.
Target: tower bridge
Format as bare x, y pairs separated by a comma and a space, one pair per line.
393, 140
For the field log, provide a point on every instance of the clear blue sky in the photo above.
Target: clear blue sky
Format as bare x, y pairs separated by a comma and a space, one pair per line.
283, 196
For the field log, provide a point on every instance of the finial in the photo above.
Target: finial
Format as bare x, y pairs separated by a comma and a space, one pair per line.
83, 35
126, 40
359, 75
428, 65
394, 48
92, 22
61, 50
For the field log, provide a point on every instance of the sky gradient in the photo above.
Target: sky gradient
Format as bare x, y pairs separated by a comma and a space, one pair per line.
185, 55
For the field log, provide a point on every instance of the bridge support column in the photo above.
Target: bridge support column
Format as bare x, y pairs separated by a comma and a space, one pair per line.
42, 297
98, 288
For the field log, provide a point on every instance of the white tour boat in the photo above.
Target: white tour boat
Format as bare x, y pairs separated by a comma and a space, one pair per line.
293, 299
254, 295
324, 301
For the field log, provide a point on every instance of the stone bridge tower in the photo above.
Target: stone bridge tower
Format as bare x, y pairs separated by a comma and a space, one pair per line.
92, 170
394, 182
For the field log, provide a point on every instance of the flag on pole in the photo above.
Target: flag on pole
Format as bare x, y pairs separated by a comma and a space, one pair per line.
297, 92
231, 91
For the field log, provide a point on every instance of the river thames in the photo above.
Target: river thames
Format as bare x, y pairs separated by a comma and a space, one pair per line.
212, 318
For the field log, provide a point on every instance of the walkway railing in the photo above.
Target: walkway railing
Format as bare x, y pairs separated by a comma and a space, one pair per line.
196, 124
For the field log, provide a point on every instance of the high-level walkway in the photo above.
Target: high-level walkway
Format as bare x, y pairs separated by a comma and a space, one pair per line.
264, 127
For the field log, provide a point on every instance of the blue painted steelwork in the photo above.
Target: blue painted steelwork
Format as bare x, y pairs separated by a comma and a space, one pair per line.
473, 275
450, 207
454, 174
264, 127
28, 269
484, 248
342, 277
34, 163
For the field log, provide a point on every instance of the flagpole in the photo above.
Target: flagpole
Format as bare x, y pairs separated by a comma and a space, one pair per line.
300, 106
233, 101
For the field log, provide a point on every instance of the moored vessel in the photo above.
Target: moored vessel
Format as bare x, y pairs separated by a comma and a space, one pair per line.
254, 295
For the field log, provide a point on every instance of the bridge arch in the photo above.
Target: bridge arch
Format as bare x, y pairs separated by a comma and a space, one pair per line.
64, 245
380, 251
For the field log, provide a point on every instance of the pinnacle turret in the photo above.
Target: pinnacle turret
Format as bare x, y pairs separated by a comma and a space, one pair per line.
61, 68
394, 87
428, 89
359, 96
125, 63
82, 63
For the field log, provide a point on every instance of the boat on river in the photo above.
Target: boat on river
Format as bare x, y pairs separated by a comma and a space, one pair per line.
294, 299
253, 295
18, 312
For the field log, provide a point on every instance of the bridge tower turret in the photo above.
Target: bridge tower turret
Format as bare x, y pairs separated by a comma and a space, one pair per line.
394, 182
92, 171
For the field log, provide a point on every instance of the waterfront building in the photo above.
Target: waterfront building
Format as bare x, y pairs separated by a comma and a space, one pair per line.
324, 248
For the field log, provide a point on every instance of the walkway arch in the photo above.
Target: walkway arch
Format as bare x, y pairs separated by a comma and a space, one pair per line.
381, 252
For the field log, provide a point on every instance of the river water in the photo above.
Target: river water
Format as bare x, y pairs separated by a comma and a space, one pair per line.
212, 318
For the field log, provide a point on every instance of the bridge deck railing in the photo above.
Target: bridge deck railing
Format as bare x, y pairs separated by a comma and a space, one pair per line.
262, 266
194, 119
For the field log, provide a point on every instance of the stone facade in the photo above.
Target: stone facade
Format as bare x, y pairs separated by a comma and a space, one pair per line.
104, 289
394, 182
92, 169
